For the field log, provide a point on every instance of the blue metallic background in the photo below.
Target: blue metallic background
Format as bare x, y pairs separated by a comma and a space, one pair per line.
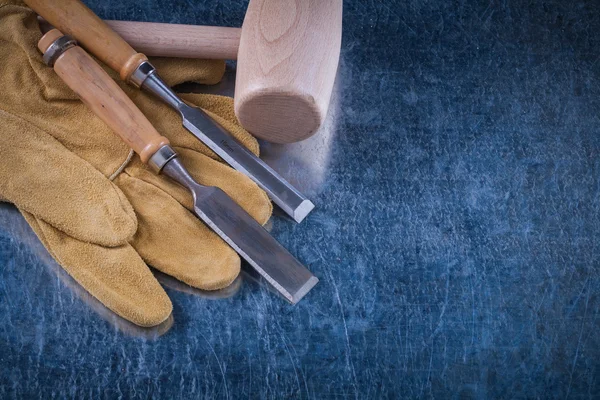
456, 235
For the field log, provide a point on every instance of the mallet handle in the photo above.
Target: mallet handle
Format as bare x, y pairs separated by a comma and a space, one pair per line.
183, 41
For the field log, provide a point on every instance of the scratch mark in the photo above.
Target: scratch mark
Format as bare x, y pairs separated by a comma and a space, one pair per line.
349, 356
587, 300
301, 372
441, 319
472, 311
289, 354
218, 363
427, 382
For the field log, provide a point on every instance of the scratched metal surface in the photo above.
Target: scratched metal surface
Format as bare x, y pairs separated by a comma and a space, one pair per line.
455, 236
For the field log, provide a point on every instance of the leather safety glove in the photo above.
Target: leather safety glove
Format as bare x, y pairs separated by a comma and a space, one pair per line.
97, 209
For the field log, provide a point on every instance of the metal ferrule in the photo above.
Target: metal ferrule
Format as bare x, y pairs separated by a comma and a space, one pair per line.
142, 72
161, 158
57, 48
145, 77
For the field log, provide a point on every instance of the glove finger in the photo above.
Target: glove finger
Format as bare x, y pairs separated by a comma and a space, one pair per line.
174, 241
178, 70
209, 172
40, 176
116, 276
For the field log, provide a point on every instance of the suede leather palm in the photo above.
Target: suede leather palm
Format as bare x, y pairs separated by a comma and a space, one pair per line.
63, 168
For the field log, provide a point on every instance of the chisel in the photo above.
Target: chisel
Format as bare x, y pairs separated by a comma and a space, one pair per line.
236, 227
75, 19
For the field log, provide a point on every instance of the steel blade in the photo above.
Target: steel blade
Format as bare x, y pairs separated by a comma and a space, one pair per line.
251, 241
235, 154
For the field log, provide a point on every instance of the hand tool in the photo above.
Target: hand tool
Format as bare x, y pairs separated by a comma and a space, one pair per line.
287, 60
74, 18
104, 97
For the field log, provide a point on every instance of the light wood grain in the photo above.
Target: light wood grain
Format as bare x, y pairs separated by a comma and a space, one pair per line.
105, 98
287, 62
176, 40
74, 18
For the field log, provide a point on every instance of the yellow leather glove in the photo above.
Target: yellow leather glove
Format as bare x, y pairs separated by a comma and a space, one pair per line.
98, 210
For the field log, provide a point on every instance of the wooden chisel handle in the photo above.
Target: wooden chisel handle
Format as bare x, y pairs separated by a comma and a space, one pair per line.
73, 18
103, 96
176, 40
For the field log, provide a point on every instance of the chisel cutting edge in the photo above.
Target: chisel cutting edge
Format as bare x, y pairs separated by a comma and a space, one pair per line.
74, 18
213, 206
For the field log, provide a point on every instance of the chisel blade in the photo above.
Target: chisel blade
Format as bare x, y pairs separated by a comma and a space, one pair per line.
246, 236
290, 200
251, 241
